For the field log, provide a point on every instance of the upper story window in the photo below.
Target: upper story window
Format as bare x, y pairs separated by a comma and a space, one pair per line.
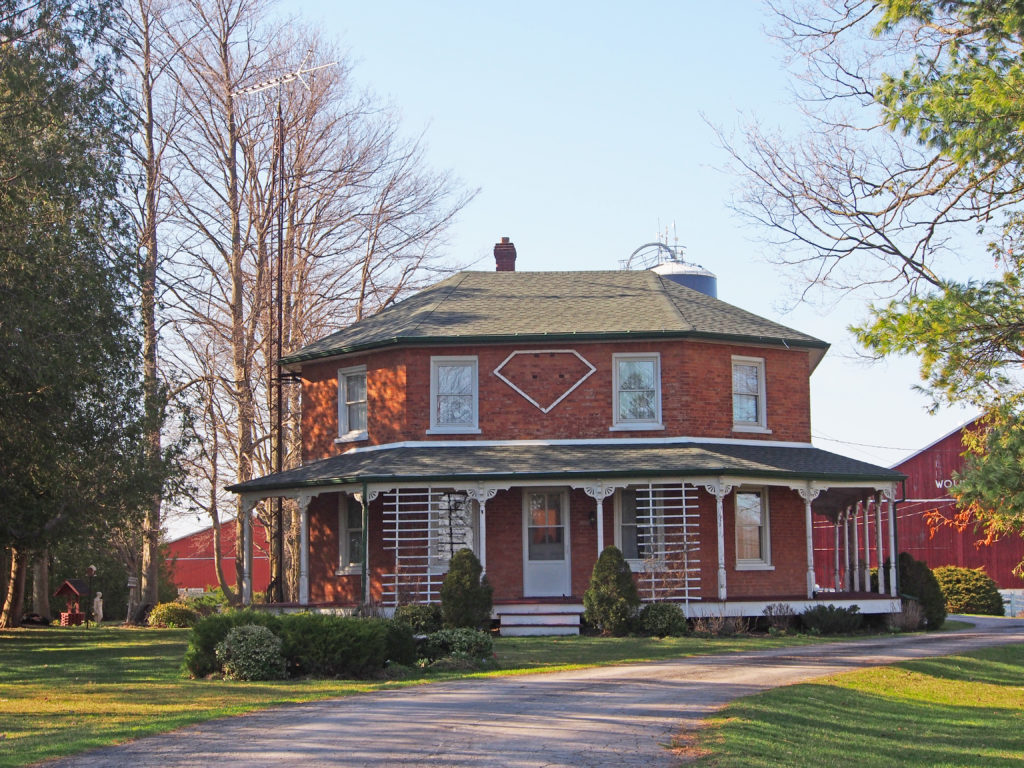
453, 395
748, 394
350, 535
637, 391
352, 403
753, 534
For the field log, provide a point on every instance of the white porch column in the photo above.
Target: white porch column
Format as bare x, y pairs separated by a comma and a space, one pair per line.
879, 557
809, 493
867, 546
835, 552
248, 504
720, 490
846, 550
303, 500
482, 494
364, 498
855, 562
890, 496
599, 493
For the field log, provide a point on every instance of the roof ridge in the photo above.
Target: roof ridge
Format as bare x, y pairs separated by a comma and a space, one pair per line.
660, 285
457, 280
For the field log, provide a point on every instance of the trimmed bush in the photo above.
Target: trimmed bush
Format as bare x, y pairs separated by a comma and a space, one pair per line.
251, 652
423, 619
969, 590
611, 599
334, 646
201, 657
466, 598
918, 582
211, 601
174, 614
401, 644
662, 620
830, 620
458, 641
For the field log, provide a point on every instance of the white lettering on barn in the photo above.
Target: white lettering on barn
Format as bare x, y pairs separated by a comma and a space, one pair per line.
947, 483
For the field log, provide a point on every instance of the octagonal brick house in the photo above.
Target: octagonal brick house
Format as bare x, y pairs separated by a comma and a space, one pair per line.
537, 417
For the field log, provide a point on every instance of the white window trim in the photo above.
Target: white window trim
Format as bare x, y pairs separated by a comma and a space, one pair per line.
454, 429
761, 425
639, 564
349, 568
346, 435
624, 425
764, 563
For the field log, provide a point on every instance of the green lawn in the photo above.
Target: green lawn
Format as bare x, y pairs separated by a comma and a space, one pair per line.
63, 691
954, 711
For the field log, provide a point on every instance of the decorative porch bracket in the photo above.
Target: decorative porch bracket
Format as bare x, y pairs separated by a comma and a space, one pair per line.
481, 493
599, 493
809, 493
720, 490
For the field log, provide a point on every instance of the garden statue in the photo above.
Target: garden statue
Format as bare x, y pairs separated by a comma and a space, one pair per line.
97, 607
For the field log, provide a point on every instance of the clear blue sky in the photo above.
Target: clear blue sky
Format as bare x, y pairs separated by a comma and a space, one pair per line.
583, 124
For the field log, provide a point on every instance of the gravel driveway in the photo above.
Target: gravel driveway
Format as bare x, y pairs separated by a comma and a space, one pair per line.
608, 716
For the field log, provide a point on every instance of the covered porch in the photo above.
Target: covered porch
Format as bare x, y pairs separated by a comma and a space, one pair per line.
538, 514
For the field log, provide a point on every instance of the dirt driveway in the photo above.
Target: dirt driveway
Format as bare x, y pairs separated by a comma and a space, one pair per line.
608, 716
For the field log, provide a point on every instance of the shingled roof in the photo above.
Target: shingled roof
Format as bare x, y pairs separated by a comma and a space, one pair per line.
547, 306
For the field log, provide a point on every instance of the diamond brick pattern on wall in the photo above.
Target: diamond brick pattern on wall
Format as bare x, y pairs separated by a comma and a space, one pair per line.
544, 377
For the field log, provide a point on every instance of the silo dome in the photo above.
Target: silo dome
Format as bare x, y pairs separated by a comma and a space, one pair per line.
691, 275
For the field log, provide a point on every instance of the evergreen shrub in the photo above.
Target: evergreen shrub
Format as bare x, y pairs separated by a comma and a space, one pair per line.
458, 641
466, 597
201, 656
918, 582
251, 652
969, 590
422, 618
662, 620
611, 600
175, 614
831, 620
322, 645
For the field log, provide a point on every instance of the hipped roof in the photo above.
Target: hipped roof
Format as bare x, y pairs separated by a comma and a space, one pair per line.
492, 307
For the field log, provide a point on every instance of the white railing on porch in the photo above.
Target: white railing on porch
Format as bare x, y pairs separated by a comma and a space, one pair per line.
668, 533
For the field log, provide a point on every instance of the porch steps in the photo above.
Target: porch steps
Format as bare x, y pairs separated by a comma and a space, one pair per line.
536, 619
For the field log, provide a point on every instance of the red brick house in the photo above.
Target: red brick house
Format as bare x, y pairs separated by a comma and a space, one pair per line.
537, 417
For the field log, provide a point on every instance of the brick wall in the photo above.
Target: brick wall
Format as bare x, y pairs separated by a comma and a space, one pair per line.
696, 382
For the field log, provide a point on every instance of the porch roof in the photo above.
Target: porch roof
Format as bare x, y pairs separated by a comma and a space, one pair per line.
559, 461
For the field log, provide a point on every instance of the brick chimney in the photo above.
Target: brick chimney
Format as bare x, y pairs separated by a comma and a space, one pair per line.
505, 256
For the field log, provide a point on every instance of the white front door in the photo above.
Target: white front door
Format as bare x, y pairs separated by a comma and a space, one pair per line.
546, 567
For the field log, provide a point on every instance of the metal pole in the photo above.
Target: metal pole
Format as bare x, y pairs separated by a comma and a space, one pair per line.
279, 426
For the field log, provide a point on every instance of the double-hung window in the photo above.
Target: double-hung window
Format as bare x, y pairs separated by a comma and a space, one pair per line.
748, 395
753, 539
639, 525
453, 395
637, 391
350, 535
352, 404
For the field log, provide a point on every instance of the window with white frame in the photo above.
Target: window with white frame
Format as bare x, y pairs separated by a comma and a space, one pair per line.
350, 535
453, 394
352, 403
637, 391
753, 540
748, 394
639, 525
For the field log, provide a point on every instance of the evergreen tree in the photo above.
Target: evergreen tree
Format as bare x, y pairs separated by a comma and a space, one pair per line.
70, 400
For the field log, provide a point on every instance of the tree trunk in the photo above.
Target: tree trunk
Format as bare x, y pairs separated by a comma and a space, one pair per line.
14, 599
41, 585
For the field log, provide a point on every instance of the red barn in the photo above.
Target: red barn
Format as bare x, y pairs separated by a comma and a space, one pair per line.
537, 417
927, 488
192, 563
